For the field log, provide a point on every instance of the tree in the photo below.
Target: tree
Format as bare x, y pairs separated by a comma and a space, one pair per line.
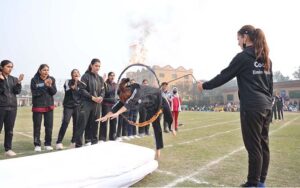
279, 77
296, 74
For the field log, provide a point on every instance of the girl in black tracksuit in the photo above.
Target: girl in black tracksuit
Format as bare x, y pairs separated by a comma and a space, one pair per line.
253, 70
133, 96
107, 104
91, 89
9, 87
43, 89
71, 105
279, 106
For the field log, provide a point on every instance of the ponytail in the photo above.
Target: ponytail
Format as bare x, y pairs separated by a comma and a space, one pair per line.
258, 38
261, 48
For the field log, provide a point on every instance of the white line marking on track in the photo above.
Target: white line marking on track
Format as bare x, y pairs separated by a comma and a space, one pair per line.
24, 134
200, 120
202, 138
175, 175
210, 125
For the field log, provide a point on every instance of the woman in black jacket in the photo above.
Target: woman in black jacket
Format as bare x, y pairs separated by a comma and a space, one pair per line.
91, 89
9, 87
71, 105
253, 70
43, 89
108, 102
279, 105
134, 96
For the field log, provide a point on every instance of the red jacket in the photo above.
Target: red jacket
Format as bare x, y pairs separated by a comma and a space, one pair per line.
176, 104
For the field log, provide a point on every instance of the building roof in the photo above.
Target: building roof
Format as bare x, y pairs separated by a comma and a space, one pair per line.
289, 84
169, 67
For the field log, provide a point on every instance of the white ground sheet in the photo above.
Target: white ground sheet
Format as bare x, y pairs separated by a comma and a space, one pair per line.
107, 164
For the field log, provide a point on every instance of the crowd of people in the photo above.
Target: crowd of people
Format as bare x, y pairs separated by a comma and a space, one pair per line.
88, 100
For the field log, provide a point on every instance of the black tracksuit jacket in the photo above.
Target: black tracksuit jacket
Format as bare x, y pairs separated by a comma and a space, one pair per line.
110, 91
42, 96
255, 85
72, 97
9, 88
92, 85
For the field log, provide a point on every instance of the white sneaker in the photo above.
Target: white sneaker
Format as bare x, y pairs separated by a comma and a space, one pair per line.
72, 145
48, 148
119, 139
131, 137
126, 138
137, 136
38, 149
88, 144
10, 153
59, 146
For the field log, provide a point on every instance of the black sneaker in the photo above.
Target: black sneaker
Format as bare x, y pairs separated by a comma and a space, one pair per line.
247, 184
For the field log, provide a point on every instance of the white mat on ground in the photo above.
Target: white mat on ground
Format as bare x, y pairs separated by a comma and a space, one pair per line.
108, 164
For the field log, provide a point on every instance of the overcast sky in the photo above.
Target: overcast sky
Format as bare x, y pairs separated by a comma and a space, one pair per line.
201, 34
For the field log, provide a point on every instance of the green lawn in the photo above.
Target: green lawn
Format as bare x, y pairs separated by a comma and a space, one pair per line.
207, 151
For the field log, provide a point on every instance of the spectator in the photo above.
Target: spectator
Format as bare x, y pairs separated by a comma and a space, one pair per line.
9, 87
43, 89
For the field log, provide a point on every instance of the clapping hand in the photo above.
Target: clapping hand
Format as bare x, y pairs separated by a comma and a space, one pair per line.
21, 77
48, 82
104, 76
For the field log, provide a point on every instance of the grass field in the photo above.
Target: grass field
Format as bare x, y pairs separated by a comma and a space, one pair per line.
207, 151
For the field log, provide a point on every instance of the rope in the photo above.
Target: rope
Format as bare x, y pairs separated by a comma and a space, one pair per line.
145, 123
183, 77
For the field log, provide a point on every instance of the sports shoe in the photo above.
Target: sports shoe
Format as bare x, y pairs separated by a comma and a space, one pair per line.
88, 144
59, 146
72, 145
260, 184
131, 137
10, 153
125, 138
247, 184
119, 139
37, 149
48, 148
137, 136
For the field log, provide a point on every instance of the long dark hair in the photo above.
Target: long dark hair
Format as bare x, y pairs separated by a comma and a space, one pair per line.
258, 38
95, 60
40, 68
124, 91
